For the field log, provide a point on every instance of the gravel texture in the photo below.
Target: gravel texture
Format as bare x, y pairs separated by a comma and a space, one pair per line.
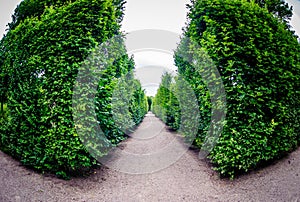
185, 178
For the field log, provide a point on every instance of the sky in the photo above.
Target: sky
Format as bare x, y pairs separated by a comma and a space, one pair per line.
7, 8
164, 15
295, 22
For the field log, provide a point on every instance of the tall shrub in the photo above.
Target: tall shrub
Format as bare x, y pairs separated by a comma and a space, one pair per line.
258, 60
166, 103
40, 57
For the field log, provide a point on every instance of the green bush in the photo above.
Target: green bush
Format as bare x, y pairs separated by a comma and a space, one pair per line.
166, 104
40, 58
257, 57
36, 8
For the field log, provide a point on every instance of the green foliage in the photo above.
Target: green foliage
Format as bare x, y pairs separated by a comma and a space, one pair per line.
128, 105
176, 105
279, 8
3, 80
257, 57
36, 8
166, 104
40, 58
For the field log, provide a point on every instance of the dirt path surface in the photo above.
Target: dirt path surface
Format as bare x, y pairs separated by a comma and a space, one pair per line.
187, 179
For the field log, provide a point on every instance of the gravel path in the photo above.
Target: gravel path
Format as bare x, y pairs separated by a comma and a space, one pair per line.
187, 179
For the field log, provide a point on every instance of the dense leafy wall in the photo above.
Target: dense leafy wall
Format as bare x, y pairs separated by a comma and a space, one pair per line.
165, 103
258, 60
279, 8
36, 8
40, 58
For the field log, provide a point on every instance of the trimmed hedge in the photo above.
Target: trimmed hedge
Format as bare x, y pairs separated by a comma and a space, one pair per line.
40, 58
258, 59
165, 103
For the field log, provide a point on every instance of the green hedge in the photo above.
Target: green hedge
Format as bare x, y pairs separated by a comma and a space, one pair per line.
257, 57
36, 8
176, 104
40, 58
165, 103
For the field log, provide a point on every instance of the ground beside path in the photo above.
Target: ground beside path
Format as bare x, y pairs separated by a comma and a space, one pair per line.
188, 179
